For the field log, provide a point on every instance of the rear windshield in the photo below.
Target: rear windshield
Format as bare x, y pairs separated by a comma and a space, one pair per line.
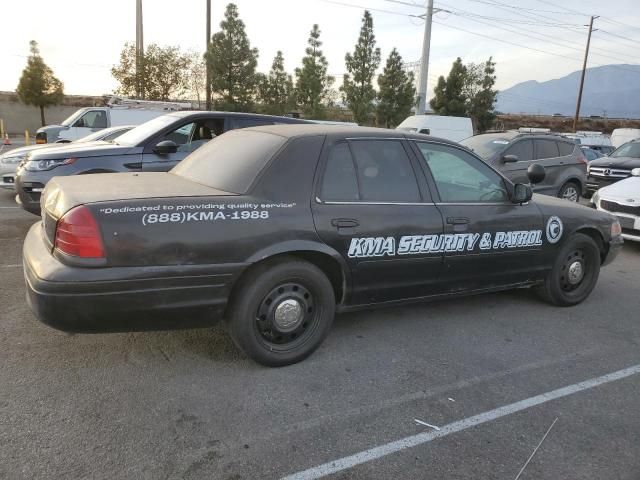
486, 146
631, 149
232, 161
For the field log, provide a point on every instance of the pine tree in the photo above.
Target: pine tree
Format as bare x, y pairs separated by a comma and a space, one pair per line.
449, 97
232, 64
397, 90
276, 89
38, 86
358, 93
312, 82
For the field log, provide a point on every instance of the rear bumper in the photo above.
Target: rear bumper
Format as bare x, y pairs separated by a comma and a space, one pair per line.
116, 299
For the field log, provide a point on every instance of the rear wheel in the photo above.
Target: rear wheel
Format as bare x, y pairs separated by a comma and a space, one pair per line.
574, 273
570, 191
281, 312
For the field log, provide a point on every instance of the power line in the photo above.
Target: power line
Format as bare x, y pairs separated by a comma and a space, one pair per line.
351, 5
618, 36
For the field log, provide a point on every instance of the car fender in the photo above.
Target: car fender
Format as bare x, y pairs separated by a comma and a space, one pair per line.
300, 246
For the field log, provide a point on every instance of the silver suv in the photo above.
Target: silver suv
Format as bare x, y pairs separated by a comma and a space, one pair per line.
513, 152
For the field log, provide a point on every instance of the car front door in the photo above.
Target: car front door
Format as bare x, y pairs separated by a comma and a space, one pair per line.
506, 239
372, 208
517, 171
90, 122
188, 136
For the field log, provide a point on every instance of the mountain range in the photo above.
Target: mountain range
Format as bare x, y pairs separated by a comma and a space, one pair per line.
613, 90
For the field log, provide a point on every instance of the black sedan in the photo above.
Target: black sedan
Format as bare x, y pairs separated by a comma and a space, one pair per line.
290, 224
155, 146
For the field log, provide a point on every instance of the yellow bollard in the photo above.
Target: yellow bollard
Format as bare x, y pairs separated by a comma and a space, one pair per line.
26, 137
1, 127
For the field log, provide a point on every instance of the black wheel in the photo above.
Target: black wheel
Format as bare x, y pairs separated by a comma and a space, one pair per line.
570, 191
574, 273
281, 311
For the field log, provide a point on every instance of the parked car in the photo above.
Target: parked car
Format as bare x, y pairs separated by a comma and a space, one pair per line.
590, 153
607, 170
9, 161
276, 228
622, 199
119, 111
620, 136
451, 128
156, 146
595, 140
512, 152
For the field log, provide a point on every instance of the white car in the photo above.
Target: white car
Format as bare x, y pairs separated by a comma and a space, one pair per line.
622, 199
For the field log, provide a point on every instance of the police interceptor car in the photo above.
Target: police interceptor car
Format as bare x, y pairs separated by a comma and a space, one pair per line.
277, 228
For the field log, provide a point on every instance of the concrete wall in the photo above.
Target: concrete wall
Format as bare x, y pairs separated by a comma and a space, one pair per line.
19, 117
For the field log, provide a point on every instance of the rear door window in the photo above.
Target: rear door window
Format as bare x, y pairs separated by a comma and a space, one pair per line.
384, 171
565, 148
546, 149
523, 149
339, 183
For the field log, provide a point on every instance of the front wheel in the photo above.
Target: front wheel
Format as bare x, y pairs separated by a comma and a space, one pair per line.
569, 191
281, 312
574, 273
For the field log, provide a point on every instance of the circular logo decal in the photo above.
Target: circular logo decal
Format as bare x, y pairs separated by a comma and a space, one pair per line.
554, 229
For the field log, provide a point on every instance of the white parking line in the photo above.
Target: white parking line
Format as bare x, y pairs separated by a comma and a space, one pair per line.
9, 207
415, 440
13, 265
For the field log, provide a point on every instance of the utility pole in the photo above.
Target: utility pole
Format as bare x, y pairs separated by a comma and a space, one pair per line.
424, 64
139, 51
584, 68
206, 67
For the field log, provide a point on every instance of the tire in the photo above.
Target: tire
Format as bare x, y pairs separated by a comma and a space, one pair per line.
570, 191
281, 311
561, 287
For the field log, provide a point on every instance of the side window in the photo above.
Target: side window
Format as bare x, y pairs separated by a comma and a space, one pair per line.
181, 136
384, 171
339, 183
565, 148
114, 135
546, 149
523, 149
92, 119
460, 177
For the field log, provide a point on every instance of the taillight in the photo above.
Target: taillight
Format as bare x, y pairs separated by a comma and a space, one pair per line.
77, 234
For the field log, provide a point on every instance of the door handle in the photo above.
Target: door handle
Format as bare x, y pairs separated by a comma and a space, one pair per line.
345, 223
457, 220
133, 166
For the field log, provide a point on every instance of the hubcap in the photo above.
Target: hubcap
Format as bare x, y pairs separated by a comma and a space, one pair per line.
575, 273
288, 315
570, 193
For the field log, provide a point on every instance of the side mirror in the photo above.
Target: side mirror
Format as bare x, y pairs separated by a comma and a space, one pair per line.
165, 147
521, 193
635, 172
536, 173
509, 158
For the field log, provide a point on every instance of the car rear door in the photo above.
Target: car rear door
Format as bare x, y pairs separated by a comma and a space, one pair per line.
547, 154
506, 238
369, 204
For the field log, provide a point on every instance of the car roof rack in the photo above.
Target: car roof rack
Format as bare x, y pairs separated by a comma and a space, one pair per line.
117, 101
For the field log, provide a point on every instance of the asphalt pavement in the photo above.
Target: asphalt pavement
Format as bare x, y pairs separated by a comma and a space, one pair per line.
458, 389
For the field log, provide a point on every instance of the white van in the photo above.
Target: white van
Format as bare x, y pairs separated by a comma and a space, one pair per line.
119, 111
620, 136
450, 128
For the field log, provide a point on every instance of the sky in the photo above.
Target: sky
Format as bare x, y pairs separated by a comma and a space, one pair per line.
529, 40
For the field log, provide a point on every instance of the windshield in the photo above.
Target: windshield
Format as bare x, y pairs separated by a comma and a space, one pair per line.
139, 134
484, 145
232, 161
631, 149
